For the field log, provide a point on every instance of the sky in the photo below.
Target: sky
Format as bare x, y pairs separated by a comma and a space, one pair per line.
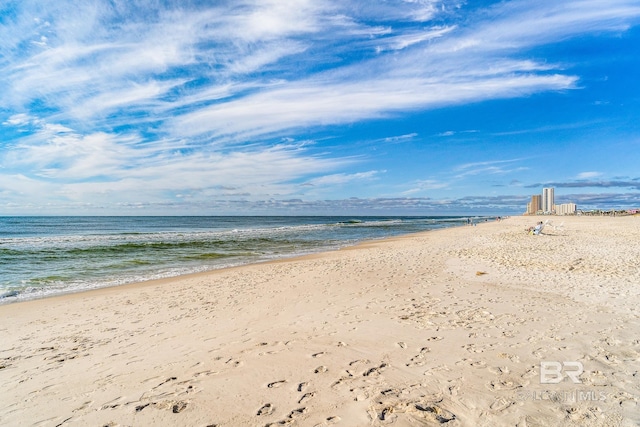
324, 107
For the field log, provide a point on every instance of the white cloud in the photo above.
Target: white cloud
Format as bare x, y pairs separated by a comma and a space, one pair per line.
421, 186
403, 41
68, 166
115, 97
491, 167
242, 39
314, 104
516, 24
460, 132
90, 77
56, 152
18, 120
130, 95
401, 138
589, 175
343, 178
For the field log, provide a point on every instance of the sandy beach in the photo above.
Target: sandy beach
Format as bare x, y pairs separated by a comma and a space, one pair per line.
468, 326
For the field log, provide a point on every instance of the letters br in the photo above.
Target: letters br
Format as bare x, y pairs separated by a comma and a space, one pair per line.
554, 372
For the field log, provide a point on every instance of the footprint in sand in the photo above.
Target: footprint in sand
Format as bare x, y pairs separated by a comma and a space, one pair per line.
84, 406
178, 407
306, 396
290, 418
416, 412
266, 409
499, 370
418, 360
175, 406
205, 373
375, 370
504, 384
112, 404
297, 412
276, 384
441, 415
234, 363
501, 404
478, 364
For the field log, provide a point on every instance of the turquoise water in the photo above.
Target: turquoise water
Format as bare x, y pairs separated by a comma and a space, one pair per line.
42, 256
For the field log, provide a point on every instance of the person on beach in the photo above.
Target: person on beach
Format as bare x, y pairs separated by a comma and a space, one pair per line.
535, 230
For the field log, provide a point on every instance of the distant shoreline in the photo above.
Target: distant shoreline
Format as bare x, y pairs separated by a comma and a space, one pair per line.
54, 252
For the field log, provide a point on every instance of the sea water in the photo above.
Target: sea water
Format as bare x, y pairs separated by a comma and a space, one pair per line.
43, 256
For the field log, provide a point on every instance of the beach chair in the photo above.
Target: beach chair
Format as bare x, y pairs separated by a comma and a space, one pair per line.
538, 228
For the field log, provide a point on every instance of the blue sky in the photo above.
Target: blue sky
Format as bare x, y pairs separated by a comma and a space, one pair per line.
347, 107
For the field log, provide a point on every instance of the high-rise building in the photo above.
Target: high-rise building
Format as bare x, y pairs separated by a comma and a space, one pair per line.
547, 200
535, 205
566, 209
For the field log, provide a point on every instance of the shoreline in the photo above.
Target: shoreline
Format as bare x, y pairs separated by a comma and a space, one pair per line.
65, 278
283, 258
449, 324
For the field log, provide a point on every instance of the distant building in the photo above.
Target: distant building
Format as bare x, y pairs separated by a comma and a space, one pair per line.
547, 200
566, 209
535, 205
544, 205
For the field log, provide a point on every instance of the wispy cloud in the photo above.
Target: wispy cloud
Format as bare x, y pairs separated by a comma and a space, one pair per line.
399, 42
105, 98
400, 138
588, 175
452, 133
93, 166
588, 201
630, 184
150, 60
424, 186
549, 128
343, 178
489, 167
313, 103
519, 24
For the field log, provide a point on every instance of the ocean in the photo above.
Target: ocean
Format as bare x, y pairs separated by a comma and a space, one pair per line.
44, 256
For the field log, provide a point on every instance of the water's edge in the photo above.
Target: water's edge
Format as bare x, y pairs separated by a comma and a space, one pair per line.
40, 260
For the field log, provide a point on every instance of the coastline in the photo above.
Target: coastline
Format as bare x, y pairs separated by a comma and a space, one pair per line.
46, 256
444, 325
